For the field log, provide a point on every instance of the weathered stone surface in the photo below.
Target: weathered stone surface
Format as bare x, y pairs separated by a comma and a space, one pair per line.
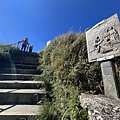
100, 107
103, 39
110, 81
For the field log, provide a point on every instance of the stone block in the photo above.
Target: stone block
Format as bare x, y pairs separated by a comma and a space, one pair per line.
110, 81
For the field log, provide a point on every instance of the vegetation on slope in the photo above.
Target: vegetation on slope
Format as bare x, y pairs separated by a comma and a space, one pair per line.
67, 73
5, 49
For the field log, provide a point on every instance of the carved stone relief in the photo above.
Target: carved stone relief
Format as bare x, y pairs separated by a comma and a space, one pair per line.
106, 42
104, 39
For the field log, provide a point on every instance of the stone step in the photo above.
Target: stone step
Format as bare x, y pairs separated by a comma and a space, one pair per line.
19, 112
21, 58
16, 76
21, 84
26, 62
20, 66
19, 71
24, 54
16, 80
18, 56
21, 96
24, 58
18, 60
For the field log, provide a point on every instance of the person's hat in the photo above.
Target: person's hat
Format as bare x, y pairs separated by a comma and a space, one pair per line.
26, 38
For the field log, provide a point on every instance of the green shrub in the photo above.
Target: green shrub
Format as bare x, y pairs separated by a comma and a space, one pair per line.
5, 50
66, 68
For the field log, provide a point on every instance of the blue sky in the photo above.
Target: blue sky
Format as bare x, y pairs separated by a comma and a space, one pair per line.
43, 20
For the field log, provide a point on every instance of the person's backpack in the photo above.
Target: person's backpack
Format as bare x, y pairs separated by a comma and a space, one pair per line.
30, 48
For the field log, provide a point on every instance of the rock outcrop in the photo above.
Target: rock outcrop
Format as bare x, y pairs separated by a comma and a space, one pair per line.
100, 107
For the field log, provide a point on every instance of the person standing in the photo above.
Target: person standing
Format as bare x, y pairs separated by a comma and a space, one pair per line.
24, 43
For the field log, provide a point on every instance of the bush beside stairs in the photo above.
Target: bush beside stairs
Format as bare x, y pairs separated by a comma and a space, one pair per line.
19, 93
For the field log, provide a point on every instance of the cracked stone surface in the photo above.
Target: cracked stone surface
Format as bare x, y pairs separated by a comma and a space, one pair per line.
100, 107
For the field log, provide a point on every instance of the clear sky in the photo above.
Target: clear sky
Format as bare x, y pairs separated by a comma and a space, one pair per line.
43, 20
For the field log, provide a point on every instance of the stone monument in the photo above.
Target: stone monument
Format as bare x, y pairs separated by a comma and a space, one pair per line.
103, 44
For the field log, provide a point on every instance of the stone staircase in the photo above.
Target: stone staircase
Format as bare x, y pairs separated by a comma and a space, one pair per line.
19, 93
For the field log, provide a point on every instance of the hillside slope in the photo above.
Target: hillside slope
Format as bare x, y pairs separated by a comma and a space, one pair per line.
67, 73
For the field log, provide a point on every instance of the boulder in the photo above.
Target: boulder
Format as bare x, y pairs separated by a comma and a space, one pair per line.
100, 107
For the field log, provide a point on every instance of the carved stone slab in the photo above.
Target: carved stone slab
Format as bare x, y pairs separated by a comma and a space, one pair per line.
103, 40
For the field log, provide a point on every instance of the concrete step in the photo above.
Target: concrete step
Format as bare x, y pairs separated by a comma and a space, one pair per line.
16, 76
26, 62
21, 84
21, 96
32, 59
19, 112
20, 66
19, 71
24, 54
15, 80
21, 58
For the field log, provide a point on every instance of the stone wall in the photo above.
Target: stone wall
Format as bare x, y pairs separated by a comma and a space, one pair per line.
100, 107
